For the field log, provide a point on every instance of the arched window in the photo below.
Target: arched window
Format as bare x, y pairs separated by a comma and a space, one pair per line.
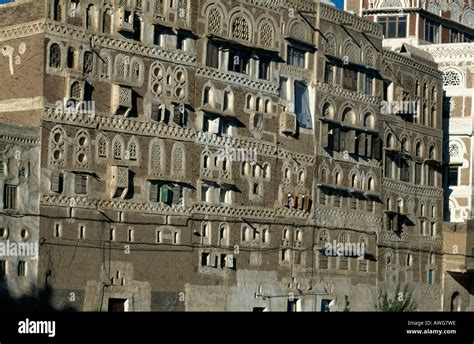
72, 58
118, 148
338, 178
76, 91
206, 161
286, 234
57, 13
240, 28
432, 153
245, 168
301, 176
419, 150
54, 56
178, 167
268, 106
456, 302
133, 150
266, 171
354, 181
434, 94
265, 236
223, 234
324, 176
105, 66
228, 104
287, 173
156, 157
370, 184
248, 101
102, 147
91, 18
107, 22
390, 141
433, 117
246, 234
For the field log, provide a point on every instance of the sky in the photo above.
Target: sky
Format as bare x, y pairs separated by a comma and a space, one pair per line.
5, 1
339, 3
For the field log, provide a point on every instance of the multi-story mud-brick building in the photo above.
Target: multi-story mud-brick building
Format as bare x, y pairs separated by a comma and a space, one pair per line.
213, 149
445, 30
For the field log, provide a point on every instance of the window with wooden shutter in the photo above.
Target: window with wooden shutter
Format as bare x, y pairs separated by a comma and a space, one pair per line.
213, 260
376, 148
9, 197
362, 144
336, 134
156, 112
299, 202
212, 55
177, 192
307, 202
178, 116
324, 135
342, 140
154, 192
80, 184
230, 261
369, 144
165, 194
351, 141
57, 182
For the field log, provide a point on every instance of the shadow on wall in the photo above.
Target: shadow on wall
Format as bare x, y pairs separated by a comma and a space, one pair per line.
37, 300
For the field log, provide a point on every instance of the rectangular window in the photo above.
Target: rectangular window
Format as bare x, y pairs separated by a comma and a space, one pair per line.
3, 268
404, 171
329, 73
394, 26
206, 193
302, 105
336, 200
454, 36
82, 232
212, 55
453, 176
57, 182
431, 31
157, 112
57, 230
350, 79
295, 57
9, 197
80, 184
322, 197
180, 42
418, 173
369, 84
157, 37
22, 268
264, 65
388, 166
431, 175
370, 206
239, 61
430, 276
154, 192
353, 202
